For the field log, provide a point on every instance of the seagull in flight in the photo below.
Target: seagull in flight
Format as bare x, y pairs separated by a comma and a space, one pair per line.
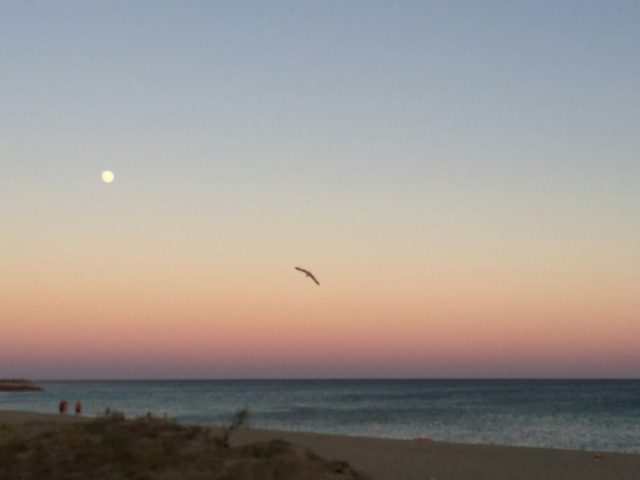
308, 274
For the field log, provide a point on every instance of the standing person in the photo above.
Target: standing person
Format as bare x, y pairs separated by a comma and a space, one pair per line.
62, 406
78, 408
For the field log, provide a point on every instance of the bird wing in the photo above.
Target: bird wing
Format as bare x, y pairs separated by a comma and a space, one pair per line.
308, 273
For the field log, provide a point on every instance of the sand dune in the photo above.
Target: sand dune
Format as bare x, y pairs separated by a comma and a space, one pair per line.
385, 459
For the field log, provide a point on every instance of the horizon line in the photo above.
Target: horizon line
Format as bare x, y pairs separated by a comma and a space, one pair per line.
241, 379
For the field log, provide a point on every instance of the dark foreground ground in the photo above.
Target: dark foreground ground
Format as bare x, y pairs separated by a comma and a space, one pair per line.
40, 446
150, 448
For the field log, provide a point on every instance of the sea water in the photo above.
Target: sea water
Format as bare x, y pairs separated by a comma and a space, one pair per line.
577, 414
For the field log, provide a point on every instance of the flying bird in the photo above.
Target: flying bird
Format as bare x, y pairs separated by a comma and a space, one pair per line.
308, 274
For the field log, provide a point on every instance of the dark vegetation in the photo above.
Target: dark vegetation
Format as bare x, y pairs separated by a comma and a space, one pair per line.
114, 448
240, 419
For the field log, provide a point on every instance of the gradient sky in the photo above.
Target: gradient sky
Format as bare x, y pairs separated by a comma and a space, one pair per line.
462, 177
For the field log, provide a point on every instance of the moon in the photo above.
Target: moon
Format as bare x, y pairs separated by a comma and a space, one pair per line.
107, 176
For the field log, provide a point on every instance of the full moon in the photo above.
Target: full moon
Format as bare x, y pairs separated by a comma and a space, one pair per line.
107, 176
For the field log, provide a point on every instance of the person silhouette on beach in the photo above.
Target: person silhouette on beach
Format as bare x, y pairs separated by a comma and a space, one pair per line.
78, 408
62, 406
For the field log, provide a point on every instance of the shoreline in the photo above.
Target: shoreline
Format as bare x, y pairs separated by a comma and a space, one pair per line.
389, 459
13, 417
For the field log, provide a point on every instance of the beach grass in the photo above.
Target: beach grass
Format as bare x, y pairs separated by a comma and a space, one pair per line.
111, 447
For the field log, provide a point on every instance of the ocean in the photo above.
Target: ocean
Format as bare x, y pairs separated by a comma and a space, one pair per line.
576, 414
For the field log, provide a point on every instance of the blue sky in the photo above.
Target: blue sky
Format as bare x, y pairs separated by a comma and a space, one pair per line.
419, 90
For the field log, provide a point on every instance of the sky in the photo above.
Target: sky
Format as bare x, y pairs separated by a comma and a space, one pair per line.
461, 177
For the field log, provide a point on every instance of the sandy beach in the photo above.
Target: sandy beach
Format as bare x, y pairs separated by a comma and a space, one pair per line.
412, 460
386, 459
